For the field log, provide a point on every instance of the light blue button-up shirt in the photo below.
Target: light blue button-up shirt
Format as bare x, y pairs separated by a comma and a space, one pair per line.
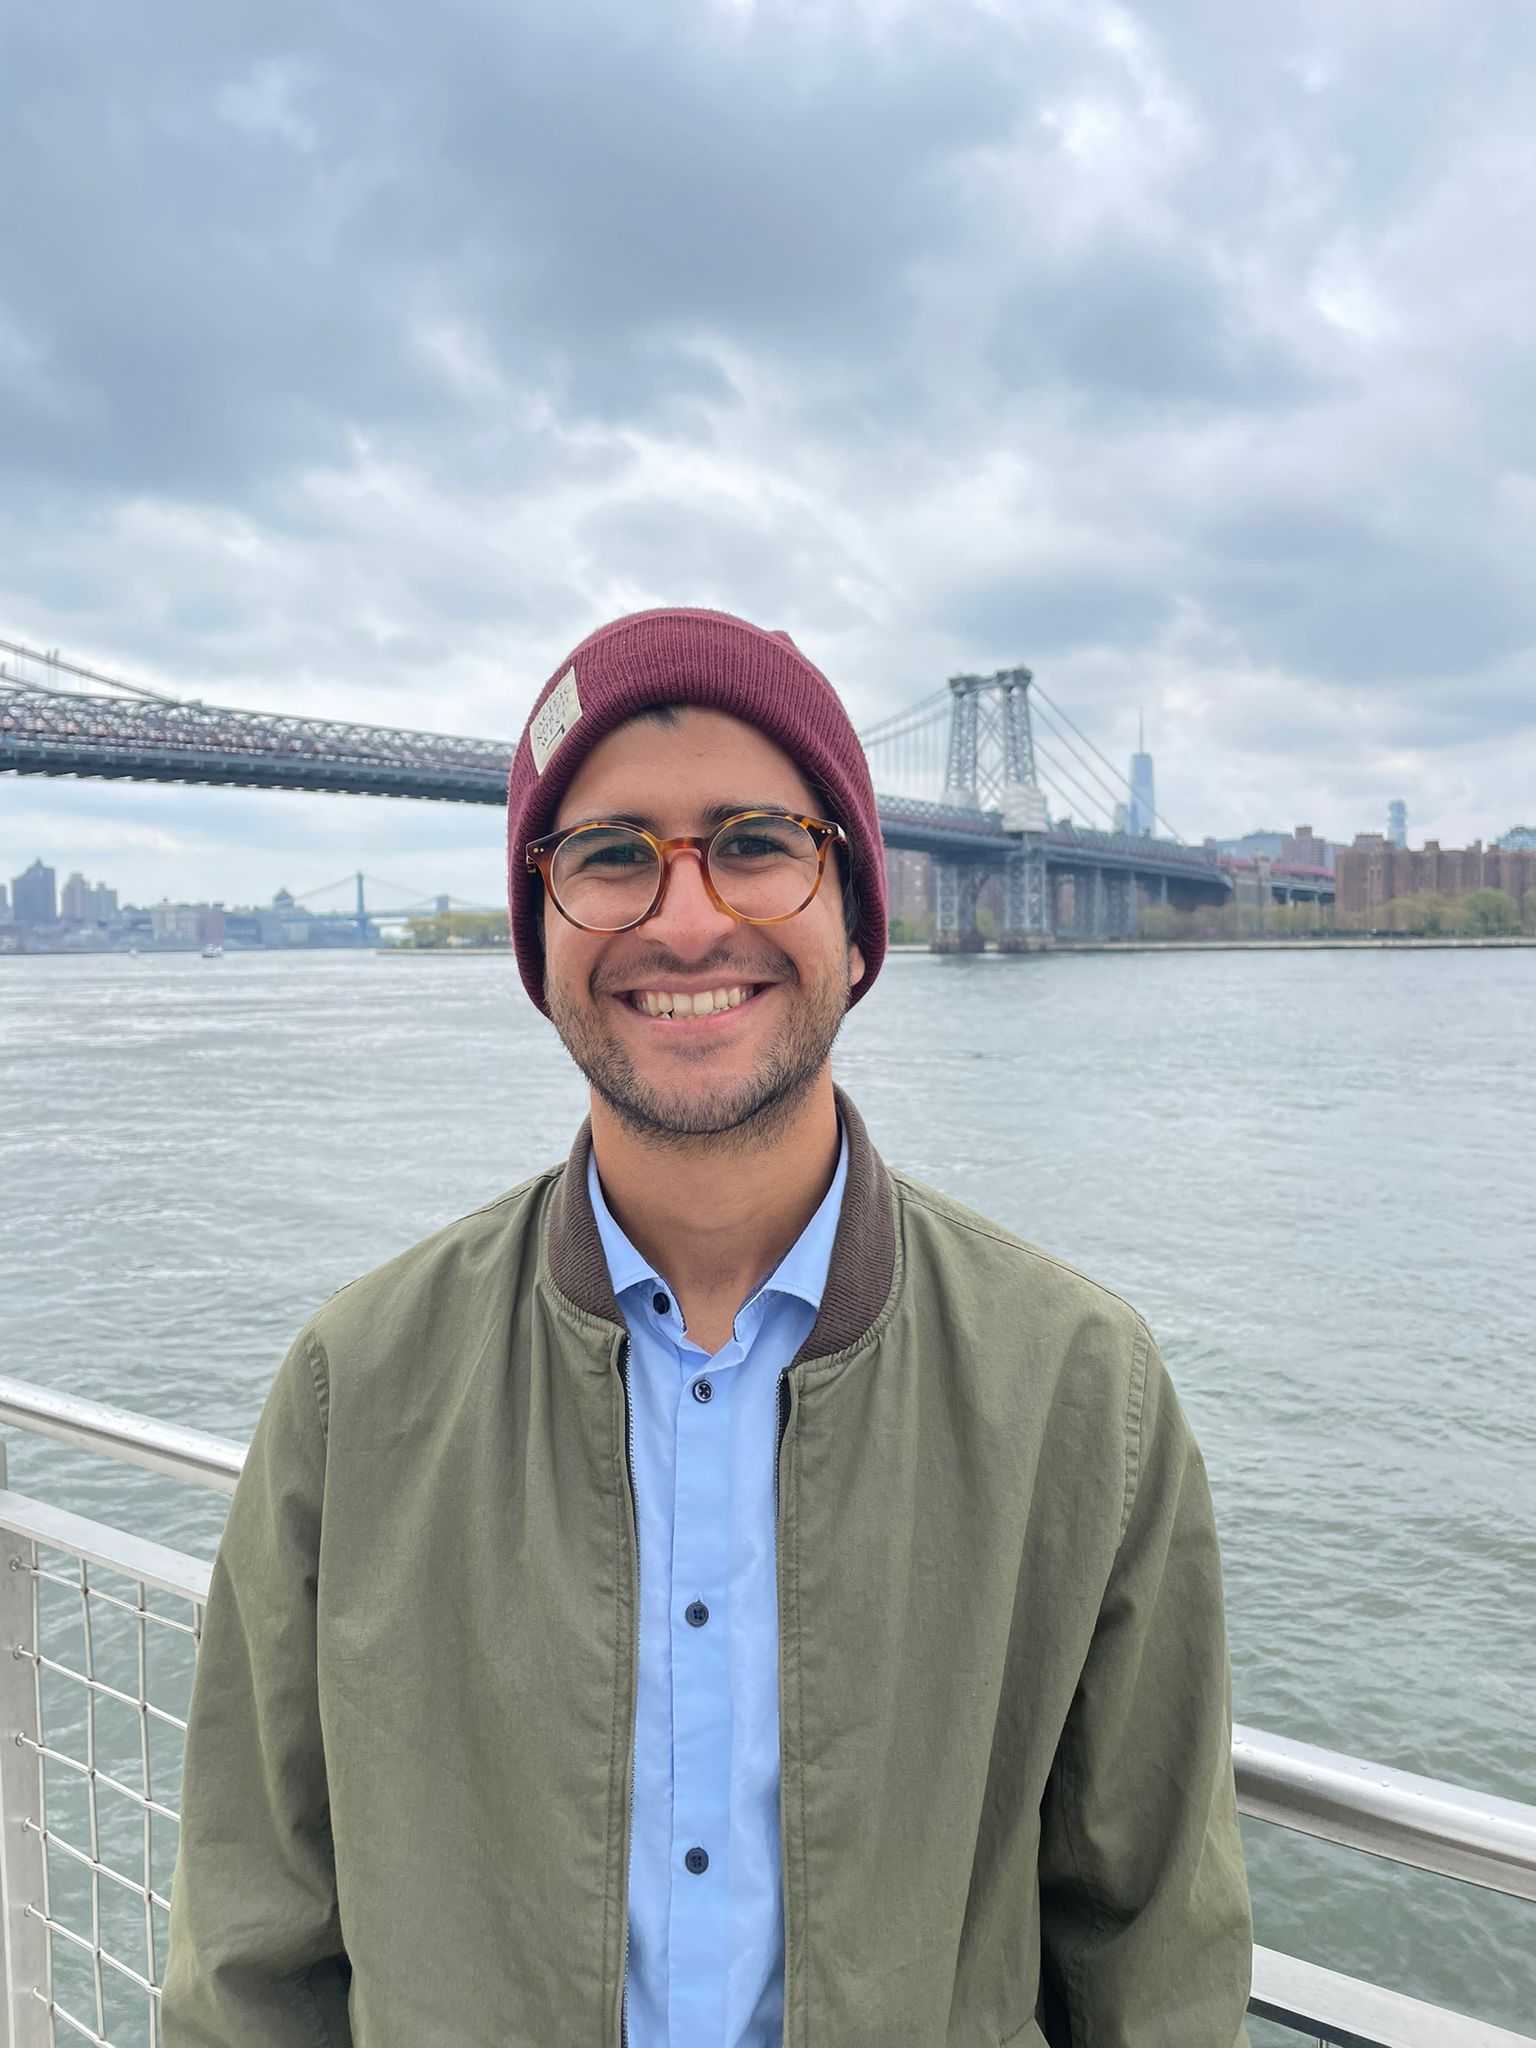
706, 1941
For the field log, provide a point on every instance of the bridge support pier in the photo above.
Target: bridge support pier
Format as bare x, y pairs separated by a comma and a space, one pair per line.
1120, 905
955, 926
1088, 914
1026, 927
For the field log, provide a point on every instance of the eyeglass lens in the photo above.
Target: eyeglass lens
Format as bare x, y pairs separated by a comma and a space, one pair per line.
608, 876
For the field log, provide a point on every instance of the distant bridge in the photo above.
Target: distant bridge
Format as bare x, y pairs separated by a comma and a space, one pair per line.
971, 749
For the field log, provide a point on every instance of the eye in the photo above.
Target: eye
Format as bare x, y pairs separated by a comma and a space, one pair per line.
764, 838
616, 856
753, 845
604, 854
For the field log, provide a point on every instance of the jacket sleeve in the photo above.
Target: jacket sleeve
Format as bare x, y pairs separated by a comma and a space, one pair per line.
256, 1957
1146, 1936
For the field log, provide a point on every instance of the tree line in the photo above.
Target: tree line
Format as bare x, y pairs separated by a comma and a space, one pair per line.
1482, 913
456, 929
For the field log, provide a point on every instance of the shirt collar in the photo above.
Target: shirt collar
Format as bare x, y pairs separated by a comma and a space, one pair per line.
802, 1271
626, 1268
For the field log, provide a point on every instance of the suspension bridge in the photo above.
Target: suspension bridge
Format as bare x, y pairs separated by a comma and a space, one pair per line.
363, 910
968, 775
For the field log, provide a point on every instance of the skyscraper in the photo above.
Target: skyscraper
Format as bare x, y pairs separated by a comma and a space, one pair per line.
1397, 822
1143, 817
79, 903
34, 896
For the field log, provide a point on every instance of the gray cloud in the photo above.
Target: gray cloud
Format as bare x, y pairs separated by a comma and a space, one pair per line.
362, 361
1123, 322
1046, 611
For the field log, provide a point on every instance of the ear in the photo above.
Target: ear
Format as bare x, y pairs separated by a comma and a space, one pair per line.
855, 964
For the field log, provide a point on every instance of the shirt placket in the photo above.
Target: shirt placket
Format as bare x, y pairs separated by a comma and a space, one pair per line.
699, 1946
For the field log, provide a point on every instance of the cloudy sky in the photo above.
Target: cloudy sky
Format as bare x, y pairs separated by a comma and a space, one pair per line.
359, 360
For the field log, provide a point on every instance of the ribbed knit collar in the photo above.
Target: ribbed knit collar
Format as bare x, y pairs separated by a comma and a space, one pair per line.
863, 1251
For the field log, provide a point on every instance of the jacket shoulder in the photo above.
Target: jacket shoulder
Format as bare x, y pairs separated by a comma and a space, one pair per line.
473, 1258
1019, 1276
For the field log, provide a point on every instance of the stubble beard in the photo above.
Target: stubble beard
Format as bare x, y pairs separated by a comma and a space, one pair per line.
744, 1114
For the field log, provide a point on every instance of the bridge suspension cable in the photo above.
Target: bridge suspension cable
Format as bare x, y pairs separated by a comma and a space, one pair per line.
908, 749
51, 660
927, 710
1112, 795
1059, 774
421, 899
1056, 708
344, 882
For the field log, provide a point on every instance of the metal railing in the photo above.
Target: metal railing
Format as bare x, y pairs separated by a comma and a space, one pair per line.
103, 1626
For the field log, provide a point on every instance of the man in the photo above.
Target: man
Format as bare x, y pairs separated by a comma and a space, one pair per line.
723, 1592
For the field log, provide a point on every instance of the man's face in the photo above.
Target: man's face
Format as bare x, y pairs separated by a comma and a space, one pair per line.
740, 1069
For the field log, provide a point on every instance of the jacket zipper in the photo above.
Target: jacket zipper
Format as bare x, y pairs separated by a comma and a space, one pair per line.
785, 1402
634, 1523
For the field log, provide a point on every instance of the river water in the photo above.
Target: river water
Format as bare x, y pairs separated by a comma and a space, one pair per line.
1313, 1172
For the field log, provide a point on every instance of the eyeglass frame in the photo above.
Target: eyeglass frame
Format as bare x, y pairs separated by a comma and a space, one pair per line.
539, 855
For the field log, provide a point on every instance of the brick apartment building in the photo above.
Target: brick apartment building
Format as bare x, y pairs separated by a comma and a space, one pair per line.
1304, 849
1373, 871
910, 885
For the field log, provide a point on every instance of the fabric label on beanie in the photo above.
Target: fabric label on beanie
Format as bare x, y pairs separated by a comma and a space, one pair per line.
554, 719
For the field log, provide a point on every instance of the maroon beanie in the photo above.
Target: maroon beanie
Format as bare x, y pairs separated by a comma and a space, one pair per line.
688, 657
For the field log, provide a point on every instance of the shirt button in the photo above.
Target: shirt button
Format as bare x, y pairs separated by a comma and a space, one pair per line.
703, 1391
697, 1861
660, 1303
696, 1614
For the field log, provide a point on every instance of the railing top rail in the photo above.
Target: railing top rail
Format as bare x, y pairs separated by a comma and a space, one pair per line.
136, 1557
168, 1447
1329, 2007
1475, 1836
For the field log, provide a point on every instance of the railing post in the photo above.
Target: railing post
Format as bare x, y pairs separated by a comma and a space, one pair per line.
23, 1934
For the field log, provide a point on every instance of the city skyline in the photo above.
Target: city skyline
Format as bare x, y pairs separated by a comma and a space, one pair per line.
257, 899
38, 892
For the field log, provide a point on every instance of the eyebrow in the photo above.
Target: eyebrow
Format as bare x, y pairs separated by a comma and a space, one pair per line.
710, 817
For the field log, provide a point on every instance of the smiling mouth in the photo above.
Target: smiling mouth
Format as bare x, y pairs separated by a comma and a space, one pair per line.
704, 1002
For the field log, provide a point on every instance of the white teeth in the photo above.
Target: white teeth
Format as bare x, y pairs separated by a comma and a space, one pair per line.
656, 1003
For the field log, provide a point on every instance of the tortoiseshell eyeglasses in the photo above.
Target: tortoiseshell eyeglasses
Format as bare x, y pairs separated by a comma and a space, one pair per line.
759, 866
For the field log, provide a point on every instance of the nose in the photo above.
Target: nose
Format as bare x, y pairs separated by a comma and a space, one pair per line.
687, 920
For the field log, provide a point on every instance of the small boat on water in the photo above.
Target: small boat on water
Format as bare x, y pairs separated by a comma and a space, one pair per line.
213, 952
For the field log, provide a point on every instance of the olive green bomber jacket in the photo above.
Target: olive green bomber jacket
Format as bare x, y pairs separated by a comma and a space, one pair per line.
1007, 1804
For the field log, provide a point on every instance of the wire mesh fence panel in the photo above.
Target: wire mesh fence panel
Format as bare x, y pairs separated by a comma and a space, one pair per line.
99, 1631
111, 1658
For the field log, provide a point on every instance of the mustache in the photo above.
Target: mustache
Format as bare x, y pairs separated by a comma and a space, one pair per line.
657, 963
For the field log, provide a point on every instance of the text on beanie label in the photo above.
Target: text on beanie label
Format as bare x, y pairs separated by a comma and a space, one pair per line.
554, 719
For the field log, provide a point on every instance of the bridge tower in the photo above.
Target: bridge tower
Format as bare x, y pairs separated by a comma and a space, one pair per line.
991, 738
991, 766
